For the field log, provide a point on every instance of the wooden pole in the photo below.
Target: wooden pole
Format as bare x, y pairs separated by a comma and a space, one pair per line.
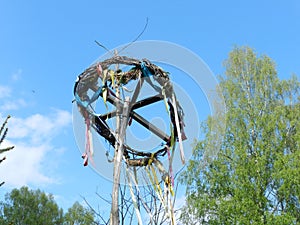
122, 122
114, 213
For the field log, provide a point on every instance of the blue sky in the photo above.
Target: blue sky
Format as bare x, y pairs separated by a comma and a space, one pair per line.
44, 45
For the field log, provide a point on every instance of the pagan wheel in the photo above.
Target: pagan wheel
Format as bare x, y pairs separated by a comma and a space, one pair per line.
105, 80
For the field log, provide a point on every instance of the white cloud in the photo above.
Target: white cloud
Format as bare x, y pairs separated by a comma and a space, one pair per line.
9, 101
5, 91
23, 165
16, 75
28, 163
13, 105
39, 128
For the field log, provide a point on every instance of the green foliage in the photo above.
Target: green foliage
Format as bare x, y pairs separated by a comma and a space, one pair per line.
79, 215
27, 207
34, 207
255, 177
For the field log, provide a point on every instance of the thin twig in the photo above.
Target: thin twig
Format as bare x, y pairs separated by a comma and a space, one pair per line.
102, 46
145, 27
94, 211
